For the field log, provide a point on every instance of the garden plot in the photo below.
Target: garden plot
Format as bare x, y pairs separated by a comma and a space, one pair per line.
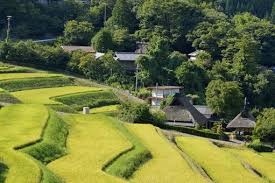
45, 95
167, 164
92, 142
260, 163
219, 164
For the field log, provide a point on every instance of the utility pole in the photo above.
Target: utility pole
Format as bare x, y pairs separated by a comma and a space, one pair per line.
136, 86
105, 13
8, 29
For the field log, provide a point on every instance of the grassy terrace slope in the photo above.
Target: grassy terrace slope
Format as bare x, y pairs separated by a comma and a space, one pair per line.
92, 142
167, 164
21, 124
260, 163
220, 165
43, 96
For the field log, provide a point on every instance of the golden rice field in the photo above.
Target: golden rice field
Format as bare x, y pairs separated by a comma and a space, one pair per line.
26, 75
44, 95
104, 109
92, 142
219, 164
167, 164
260, 163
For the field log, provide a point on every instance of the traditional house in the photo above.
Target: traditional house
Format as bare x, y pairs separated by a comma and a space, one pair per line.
87, 49
205, 110
193, 55
182, 112
160, 93
243, 123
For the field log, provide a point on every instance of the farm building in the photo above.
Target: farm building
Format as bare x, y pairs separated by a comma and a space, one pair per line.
182, 112
193, 55
205, 110
243, 123
159, 93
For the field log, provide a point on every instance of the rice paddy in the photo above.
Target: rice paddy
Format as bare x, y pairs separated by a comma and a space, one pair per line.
43, 96
26, 75
220, 165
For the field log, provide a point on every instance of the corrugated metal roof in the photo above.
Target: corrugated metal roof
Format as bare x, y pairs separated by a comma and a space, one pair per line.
127, 56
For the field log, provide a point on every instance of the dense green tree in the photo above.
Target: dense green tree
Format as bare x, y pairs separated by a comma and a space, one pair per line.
122, 16
73, 64
78, 33
272, 16
103, 41
265, 126
192, 77
224, 98
123, 41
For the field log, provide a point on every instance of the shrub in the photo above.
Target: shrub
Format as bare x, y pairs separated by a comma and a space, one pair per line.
143, 93
260, 147
32, 83
134, 112
158, 116
90, 99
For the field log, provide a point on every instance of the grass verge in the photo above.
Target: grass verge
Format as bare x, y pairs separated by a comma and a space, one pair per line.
33, 83
6, 97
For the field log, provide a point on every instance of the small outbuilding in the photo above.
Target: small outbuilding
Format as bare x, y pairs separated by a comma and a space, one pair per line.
243, 123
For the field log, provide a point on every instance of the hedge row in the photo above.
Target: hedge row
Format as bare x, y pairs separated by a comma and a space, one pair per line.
89, 99
33, 83
53, 143
125, 164
192, 131
260, 147
6, 97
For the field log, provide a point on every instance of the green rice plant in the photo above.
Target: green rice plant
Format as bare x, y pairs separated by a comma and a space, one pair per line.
92, 142
26, 75
260, 163
219, 164
109, 109
269, 156
167, 165
6, 97
32, 83
126, 163
62, 108
44, 95
89, 99
53, 143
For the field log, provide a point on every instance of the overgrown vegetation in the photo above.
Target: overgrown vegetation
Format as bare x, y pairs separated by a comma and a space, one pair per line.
6, 97
53, 140
33, 83
128, 162
3, 172
88, 99
260, 147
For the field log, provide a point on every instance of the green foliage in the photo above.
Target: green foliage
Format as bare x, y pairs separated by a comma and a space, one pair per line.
125, 164
3, 172
37, 55
123, 41
78, 33
62, 108
134, 112
53, 143
103, 41
74, 62
122, 16
158, 116
32, 83
265, 126
88, 99
192, 77
167, 101
6, 97
224, 98
260, 147
143, 93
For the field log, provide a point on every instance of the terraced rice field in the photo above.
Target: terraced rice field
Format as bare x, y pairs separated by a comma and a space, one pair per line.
92, 142
26, 75
21, 124
167, 164
219, 164
260, 163
43, 96
269, 156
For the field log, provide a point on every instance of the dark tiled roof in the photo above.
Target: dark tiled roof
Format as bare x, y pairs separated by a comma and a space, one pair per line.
127, 56
182, 110
242, 120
